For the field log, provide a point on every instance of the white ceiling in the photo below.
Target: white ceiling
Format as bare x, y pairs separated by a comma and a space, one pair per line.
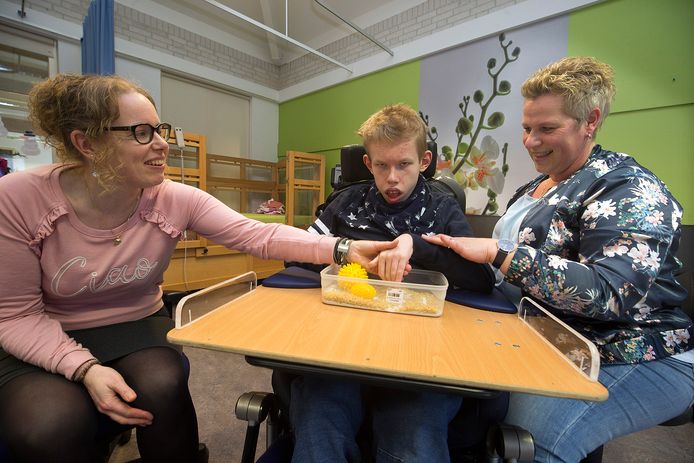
303, 20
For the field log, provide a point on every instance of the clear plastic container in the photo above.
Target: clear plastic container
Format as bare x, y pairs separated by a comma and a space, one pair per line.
422, 292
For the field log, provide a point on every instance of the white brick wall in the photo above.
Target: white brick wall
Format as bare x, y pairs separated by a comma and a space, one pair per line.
417, 22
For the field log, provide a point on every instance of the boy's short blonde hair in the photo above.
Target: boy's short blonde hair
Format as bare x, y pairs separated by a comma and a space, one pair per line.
583, 82
392, 124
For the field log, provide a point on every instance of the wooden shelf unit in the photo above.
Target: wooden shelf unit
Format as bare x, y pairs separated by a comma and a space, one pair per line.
302, 186
198, 262
242, 184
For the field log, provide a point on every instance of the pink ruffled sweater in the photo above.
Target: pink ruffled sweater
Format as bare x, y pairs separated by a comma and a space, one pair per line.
58, 274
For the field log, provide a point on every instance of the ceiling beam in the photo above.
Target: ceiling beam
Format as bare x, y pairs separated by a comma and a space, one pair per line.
278, 34
356, 28
266, 9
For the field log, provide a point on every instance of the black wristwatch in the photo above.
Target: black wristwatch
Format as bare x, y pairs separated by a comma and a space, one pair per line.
504, 248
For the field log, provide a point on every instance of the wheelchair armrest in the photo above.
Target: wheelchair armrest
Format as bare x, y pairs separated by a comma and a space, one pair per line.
255, 407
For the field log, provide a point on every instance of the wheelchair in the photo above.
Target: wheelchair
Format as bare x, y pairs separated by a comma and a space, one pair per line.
476, 433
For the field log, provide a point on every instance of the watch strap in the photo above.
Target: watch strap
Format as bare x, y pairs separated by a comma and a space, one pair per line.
499, 258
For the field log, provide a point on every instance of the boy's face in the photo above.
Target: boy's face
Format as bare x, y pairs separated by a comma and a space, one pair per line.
396, 167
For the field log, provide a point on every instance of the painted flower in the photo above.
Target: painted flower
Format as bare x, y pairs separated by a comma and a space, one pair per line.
486, 173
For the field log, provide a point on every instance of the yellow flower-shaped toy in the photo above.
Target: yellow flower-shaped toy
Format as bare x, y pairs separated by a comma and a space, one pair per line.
354, 270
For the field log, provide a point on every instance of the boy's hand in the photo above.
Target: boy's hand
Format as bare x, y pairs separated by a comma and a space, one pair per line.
393, 264
366, 253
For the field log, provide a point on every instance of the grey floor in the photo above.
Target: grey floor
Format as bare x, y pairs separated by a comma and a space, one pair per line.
217, 379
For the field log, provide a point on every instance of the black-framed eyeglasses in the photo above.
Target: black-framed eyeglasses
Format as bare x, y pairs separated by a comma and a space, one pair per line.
143, 133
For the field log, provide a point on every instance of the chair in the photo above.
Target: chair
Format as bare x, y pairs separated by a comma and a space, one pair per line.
111, 434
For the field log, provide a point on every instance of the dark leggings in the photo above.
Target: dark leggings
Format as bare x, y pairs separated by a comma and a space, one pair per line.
44, 417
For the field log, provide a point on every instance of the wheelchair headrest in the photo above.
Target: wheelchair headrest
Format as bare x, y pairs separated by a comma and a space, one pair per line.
352, 164
354, 170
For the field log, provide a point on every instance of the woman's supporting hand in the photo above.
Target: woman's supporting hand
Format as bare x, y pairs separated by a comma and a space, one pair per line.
111, 396
480, 250
367, 253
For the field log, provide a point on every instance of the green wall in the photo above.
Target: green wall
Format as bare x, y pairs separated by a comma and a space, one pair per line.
648, 44
328, 119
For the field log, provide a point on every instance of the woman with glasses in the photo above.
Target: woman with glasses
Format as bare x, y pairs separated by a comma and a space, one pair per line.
84, 245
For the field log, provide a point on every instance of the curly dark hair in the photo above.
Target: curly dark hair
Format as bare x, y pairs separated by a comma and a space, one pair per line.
89, 103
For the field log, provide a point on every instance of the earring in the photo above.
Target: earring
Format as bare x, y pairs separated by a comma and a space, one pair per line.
94, 172
589, 136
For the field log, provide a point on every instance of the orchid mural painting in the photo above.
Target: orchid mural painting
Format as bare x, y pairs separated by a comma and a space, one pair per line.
476, 161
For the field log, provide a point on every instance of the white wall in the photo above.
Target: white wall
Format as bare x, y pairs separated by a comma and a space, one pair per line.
69, 57
264, 129
147, 77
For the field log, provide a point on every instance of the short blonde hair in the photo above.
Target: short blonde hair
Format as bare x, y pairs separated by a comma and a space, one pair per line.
89, 103
583, 82
394, 123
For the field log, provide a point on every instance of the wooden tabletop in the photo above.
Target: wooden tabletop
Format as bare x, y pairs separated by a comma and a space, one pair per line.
465, 346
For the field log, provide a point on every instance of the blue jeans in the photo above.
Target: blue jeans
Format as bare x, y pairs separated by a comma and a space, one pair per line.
407, 426
641, 396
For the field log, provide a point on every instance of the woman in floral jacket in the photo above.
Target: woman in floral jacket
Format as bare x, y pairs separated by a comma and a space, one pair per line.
593, 239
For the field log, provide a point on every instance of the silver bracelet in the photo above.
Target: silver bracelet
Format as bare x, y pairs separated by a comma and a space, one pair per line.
342, 251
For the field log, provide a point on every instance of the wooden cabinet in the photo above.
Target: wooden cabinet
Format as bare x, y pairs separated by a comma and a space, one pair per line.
302, 186
242, 184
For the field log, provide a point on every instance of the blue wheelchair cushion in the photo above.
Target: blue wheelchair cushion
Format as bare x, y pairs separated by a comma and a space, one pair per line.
494, 301
293, 277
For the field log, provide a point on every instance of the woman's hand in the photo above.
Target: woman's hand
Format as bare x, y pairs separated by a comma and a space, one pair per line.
392, 264
366, 253
480, 250
111, 395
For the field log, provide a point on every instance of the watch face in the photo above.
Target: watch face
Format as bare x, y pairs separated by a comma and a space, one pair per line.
506, 245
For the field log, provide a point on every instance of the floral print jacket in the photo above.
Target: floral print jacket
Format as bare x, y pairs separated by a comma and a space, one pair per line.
599, 252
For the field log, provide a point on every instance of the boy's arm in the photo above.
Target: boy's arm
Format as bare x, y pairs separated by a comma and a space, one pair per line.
460, 272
